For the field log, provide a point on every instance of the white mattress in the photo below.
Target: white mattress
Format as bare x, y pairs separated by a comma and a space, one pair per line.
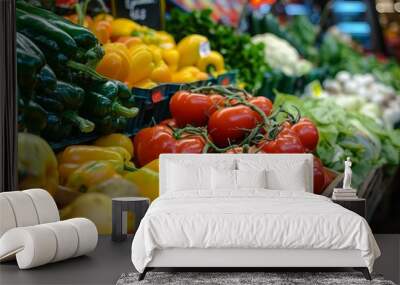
253, 219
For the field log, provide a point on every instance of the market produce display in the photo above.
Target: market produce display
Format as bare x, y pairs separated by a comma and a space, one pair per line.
59, 92
237, 49
228, 120
101, 97
346, 133
338, 53
142, 57
363, 92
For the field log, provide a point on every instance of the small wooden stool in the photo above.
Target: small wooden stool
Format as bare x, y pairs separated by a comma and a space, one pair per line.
120, 208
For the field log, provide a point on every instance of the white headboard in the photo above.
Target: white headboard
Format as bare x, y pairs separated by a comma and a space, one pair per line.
166, 159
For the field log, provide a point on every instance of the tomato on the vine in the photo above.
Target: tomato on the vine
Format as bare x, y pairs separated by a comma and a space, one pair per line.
307, 133
231, 124
286, 142
217, 102
190, 108
318, 176
263, 103
149, 143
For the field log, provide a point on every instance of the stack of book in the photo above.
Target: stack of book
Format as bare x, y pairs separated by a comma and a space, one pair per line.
344, 194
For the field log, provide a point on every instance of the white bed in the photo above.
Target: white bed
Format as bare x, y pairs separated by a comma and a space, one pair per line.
250, 227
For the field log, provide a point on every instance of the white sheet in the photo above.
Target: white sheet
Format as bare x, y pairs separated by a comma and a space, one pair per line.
252, 218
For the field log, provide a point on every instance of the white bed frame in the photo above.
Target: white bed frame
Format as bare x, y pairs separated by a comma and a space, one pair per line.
246, 257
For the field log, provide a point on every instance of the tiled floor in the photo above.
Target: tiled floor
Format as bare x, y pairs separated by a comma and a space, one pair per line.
110, 260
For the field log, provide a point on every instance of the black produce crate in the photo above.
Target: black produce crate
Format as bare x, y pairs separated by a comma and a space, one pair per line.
79, 139
153, 107
228, 78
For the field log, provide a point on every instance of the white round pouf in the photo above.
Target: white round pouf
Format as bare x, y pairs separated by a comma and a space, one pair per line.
45, 206
33, 246
7, 218
66, 238
23, 208
87, 234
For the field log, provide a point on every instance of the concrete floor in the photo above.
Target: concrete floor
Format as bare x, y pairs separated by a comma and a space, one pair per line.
110, 260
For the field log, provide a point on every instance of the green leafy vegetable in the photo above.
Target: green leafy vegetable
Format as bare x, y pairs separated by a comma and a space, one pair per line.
344, 134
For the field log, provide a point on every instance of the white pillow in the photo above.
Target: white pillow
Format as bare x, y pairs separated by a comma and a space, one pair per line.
290, 180
181, 177
251, 178
282, 174
223, 179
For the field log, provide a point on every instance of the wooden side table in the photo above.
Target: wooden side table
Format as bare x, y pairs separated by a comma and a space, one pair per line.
120, 208
358, 206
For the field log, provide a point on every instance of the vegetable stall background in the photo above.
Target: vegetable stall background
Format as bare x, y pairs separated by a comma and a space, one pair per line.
99, 98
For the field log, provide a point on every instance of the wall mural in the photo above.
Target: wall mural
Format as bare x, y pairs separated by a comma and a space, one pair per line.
100, 98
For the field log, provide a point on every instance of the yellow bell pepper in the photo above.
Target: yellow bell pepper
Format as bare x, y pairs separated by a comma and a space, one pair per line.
188, 74
146, 180
213, 62
171, 58
145, 84
73, 157
191, 48
142, 64
116, 63
116, 140
129, 41
90, 174
102, 31
103, 17
154, 165
122, 151
124, 27
37, 164
161, 72
84, 153
166, 40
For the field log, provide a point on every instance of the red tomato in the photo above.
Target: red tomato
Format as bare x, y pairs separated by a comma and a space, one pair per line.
230, 125
319, 176
217, 103
190, 108
263, 103
286, 142
149, 143
307, 133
